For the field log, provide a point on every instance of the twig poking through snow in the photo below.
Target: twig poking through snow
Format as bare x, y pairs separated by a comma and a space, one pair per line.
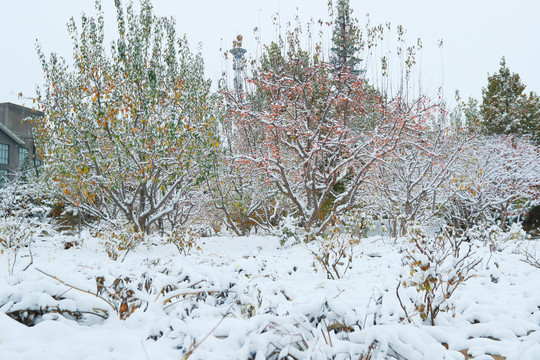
76, 288
210, 333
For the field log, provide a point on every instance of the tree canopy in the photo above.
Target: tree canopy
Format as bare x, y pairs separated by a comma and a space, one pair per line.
127, 130
506, 108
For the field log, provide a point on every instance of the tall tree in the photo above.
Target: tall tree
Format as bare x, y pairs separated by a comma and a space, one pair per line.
294, 132
506, 108
345, 38
127, 133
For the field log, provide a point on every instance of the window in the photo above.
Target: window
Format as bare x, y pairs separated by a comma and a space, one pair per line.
3, 176
23, 156
4, 153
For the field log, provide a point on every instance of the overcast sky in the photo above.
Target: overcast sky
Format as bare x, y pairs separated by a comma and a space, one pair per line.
476, 34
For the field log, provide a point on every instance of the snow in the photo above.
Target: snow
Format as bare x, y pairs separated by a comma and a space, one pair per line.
249, 297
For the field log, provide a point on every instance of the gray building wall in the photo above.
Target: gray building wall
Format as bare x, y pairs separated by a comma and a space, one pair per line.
12, 117
13, 160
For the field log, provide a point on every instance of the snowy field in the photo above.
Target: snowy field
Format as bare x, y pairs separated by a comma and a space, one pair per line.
250, 298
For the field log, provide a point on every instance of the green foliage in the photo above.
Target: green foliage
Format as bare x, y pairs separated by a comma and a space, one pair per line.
273, 60
466, 115
506, 108
345, 38
127, 131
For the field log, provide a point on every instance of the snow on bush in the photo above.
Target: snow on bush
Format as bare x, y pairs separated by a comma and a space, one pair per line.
495, 181
436, 266
184, 239
249, 298
334, 249
119, 241
16, 235
128, 129
24, 206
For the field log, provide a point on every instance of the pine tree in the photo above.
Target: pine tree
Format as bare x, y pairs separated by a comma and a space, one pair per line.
506, 109
345, 38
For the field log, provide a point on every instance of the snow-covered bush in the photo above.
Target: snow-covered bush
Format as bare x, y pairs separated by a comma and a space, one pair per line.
28, 198
411, 185
493, 235
184, 239
16, 235
496, 179
247, 204
119, 241
295, 131
122, 294
530, 256
356, 222
239, 192
290, 232
25, 203
128, 129
435, 266
334, 253
334, 249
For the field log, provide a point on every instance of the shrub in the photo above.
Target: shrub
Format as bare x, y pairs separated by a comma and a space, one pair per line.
436, 266
184, 239
335, 248
118, 241
15, 235
127, 130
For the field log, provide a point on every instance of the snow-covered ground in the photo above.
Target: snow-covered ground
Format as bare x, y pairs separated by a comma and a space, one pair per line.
250, 298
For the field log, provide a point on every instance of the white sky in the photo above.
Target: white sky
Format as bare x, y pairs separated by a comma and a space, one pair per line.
476, 34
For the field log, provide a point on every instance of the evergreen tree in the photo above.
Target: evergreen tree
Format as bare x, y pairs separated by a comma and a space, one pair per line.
466, 115
506, 108
345, 38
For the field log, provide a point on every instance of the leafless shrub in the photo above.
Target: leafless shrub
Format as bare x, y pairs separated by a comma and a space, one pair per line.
531, 257
15, 235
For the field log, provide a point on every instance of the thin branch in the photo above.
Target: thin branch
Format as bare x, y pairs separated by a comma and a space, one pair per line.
207, 335
76, 288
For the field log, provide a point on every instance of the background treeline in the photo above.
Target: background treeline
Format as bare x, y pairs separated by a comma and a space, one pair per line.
134, 134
